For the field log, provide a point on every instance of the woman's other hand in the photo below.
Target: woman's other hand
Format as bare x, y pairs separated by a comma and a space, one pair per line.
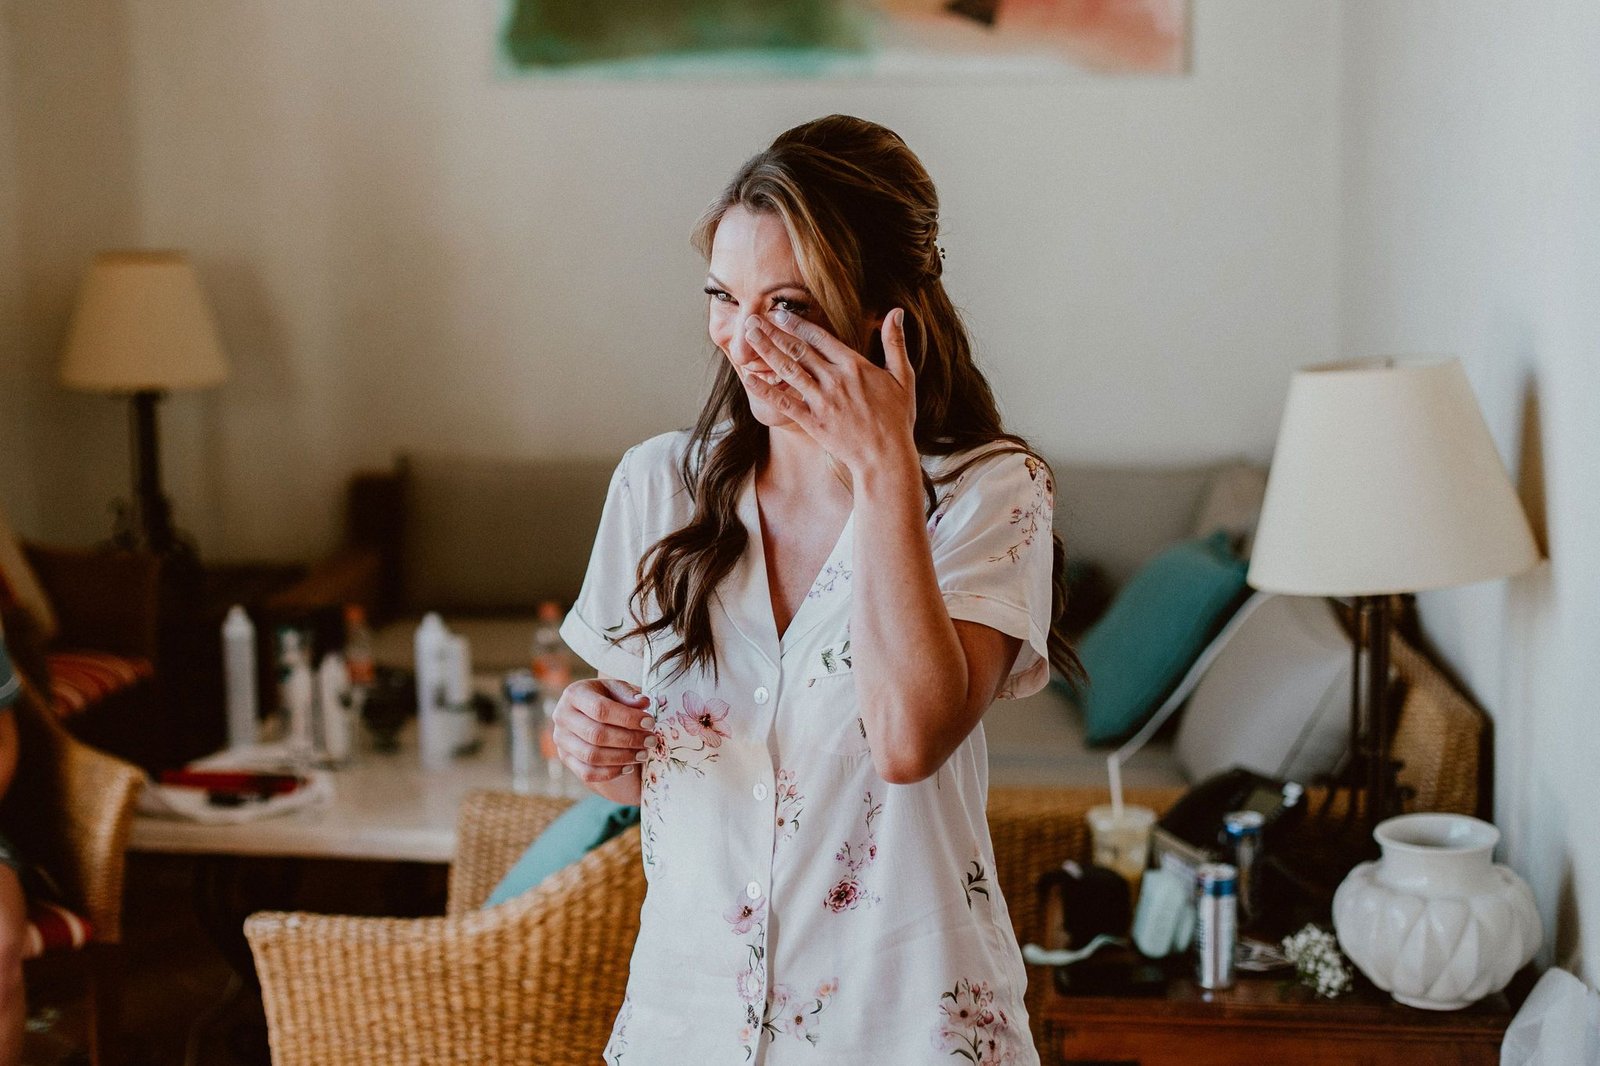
860, 413
600, 728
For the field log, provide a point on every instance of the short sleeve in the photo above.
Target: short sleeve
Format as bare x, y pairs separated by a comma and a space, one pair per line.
990, 536
600, 615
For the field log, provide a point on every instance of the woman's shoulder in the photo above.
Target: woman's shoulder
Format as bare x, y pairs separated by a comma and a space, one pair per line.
995, 463
651, 472
662, 453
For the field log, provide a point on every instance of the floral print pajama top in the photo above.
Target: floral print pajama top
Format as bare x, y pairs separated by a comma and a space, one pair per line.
799, 908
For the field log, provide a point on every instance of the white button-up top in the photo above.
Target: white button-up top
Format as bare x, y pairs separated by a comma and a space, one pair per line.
799, 908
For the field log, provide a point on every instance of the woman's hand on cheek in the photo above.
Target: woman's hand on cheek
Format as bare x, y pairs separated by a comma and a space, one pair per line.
860, 413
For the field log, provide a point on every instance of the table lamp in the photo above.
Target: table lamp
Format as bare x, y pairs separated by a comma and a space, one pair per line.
1385, 480
142, 328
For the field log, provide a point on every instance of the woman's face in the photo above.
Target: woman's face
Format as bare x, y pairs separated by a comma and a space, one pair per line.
752, 271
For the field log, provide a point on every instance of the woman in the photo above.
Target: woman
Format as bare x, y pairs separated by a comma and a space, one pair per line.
800, 610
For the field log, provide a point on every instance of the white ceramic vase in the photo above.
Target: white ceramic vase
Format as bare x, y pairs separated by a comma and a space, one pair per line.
1436, 922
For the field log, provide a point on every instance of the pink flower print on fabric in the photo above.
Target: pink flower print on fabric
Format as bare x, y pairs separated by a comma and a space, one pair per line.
972, 1027
795, 1014
790, 805
704, 719
745, 914
1029, 519
855, 855
749, 982
682, 742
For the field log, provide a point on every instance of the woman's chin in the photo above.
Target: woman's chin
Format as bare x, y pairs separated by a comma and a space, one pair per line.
766, 414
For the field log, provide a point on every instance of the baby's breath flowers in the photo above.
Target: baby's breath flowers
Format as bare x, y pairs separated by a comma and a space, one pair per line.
1321, 965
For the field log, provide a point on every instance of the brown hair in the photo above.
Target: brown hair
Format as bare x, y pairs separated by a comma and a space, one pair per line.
862, 218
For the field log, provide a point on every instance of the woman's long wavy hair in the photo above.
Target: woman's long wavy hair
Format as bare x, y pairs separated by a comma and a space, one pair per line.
862, 217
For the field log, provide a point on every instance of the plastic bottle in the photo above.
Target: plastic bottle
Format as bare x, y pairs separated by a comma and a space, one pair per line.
456, 668
333, 709
550, 654
298, 695
239, 674
358, 660
552, 668
432, 718
520, 691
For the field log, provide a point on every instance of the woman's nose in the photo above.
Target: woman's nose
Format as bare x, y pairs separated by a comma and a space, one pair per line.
739, 343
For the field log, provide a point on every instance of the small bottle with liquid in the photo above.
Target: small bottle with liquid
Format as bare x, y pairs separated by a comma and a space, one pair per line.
521, 692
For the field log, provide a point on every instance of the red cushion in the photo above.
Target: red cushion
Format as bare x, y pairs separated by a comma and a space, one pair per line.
80, 679
53, 928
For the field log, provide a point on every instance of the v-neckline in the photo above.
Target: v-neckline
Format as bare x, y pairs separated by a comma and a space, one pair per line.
757, 595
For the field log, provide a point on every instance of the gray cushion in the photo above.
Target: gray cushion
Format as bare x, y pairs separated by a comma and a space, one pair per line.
498, 534
1276, 698
1119, 517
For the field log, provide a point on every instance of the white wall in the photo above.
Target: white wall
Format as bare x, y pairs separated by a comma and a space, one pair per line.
19, 385
407, 250
71, 182
1472, 179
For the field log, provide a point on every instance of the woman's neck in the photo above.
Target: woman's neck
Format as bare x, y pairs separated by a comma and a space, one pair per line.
796, 464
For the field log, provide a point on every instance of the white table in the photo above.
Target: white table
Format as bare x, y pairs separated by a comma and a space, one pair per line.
385, 807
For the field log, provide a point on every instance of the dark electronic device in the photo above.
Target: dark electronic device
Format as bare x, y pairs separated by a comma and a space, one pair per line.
1191, 832
1085, 902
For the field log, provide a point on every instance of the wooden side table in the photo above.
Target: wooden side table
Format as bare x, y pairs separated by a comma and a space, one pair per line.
1265, 1021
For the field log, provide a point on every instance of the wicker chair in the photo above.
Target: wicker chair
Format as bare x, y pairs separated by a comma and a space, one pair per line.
540, 978
69, 809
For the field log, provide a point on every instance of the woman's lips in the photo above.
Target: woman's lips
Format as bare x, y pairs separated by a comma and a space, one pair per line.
768, 377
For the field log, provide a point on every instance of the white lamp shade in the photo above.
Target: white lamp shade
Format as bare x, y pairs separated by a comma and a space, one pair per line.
142, 323
1385, 480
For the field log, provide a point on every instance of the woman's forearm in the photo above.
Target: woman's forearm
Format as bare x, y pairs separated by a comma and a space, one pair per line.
909, 666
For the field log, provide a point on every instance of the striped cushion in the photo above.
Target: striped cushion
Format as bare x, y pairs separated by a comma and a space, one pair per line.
80, 679
53, 928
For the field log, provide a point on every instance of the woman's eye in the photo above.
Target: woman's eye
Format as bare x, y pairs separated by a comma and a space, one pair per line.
719, 294
792, 306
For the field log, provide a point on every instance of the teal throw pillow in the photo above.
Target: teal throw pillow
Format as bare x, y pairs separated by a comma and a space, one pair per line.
577, 830
1156, 627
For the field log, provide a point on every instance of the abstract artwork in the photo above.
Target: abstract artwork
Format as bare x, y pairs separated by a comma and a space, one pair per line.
648, 38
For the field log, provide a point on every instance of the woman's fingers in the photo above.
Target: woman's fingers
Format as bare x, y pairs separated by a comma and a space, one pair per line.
601, 727
784, 354
830, 348
787, 402
897, 359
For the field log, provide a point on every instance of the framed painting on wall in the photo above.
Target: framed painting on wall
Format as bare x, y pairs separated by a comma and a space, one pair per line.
665, 38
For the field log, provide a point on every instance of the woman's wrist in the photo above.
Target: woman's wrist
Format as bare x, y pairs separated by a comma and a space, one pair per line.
892, 471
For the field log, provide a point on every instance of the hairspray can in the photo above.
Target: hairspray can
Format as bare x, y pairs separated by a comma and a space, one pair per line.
1216, 928
1242, 830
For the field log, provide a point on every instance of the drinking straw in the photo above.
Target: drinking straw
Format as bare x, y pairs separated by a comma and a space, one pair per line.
1115, 766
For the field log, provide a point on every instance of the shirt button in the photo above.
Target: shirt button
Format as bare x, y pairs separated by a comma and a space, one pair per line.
761, 694
760, 791
753, 890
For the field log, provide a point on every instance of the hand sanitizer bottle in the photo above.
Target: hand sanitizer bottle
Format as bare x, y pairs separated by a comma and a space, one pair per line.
333, 708
433, 720
239, 676
299, 696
